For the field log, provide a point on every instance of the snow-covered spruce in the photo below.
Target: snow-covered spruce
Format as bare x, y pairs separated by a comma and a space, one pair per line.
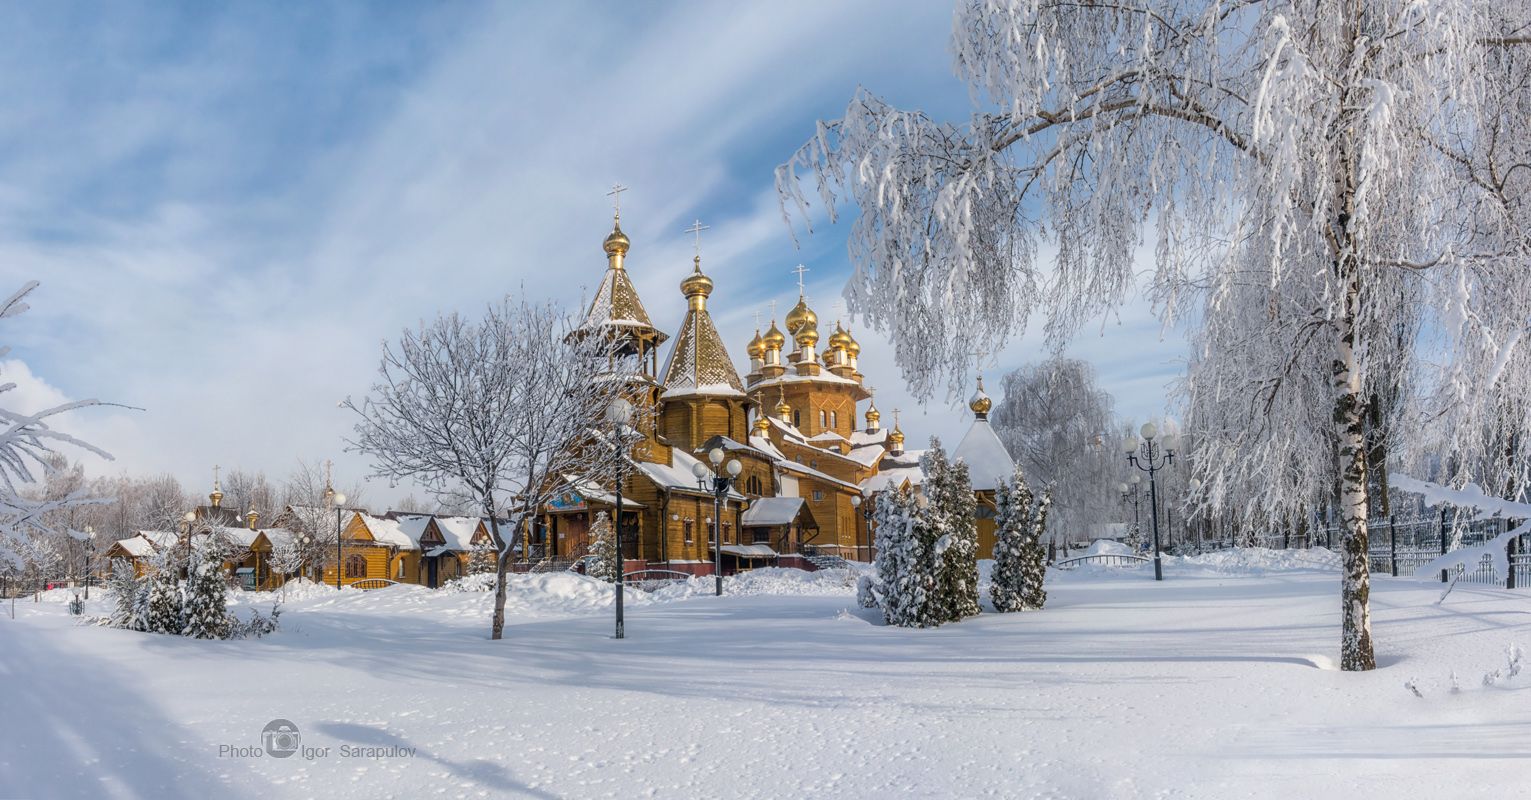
163, 603
951, 510
1019, 555
603, 550
129, 598
905, 583
205, 614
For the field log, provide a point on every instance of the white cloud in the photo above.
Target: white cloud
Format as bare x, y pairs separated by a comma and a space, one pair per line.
238, 323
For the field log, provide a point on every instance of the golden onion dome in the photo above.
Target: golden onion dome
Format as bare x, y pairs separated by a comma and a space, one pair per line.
839, 340
801, 317
756, 347
616, 242
783, 410
774, 338
897, 439
873, 414
851, 345
762, 426
980, 402
807, 337
696, 284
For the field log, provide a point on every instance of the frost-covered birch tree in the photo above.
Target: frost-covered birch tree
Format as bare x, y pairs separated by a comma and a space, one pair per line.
1057, 423
1331, 155
507, 407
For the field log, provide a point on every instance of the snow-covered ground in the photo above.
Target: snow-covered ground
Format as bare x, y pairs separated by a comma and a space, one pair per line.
1217, 683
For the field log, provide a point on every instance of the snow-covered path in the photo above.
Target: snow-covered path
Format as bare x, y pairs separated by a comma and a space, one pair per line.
1203, 686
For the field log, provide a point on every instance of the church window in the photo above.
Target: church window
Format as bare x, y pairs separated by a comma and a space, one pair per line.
823, 418
834, 419
356, 566
818, 495
728, 531
687, 527
797, 419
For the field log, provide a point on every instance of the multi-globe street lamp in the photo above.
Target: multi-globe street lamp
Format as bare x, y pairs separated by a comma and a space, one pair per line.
620, 415
1150, 457
190, 518
720, 485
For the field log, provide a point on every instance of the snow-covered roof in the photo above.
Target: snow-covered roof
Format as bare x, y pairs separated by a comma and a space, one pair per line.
242, 536
894, 470
698, 363
863, 437
677, 474
824, 376
387, 531
793, 466
749, 550
771, 511
136, 546
458, 531
827, 436
987, 460
413, 525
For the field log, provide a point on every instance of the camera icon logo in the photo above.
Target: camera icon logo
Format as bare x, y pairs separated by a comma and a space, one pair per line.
279, 738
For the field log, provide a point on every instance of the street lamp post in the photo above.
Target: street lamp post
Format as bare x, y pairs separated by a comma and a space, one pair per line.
190, 517
337, 499
866, 514
619, 415
1132, 494
90, 552
720, 485
1151, 457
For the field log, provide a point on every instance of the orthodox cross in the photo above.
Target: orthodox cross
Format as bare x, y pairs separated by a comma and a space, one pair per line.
757, 321
696, 230
329, 488
800, 269
773, 312
978, 363
895, 419
616, 200
215, 476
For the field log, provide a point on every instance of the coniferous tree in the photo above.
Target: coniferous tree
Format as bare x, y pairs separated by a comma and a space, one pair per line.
206, 613
129, 596
163, 603
1012, 519
1019, 555
603, 546
903, 583
1034, 555
481, 560
951, 515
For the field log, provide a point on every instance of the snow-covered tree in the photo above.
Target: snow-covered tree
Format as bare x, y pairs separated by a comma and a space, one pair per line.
204, 613
603, 550
1020, 558
163, 604
287, 556
481, 559
905, 583
1333, 156
508, 408
951, 513
29, 520
129, 601
1057, 424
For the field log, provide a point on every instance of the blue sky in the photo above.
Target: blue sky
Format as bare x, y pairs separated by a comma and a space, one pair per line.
230, 207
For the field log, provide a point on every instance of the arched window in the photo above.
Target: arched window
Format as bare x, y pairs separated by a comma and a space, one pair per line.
356, 566
823, 418
834, 419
